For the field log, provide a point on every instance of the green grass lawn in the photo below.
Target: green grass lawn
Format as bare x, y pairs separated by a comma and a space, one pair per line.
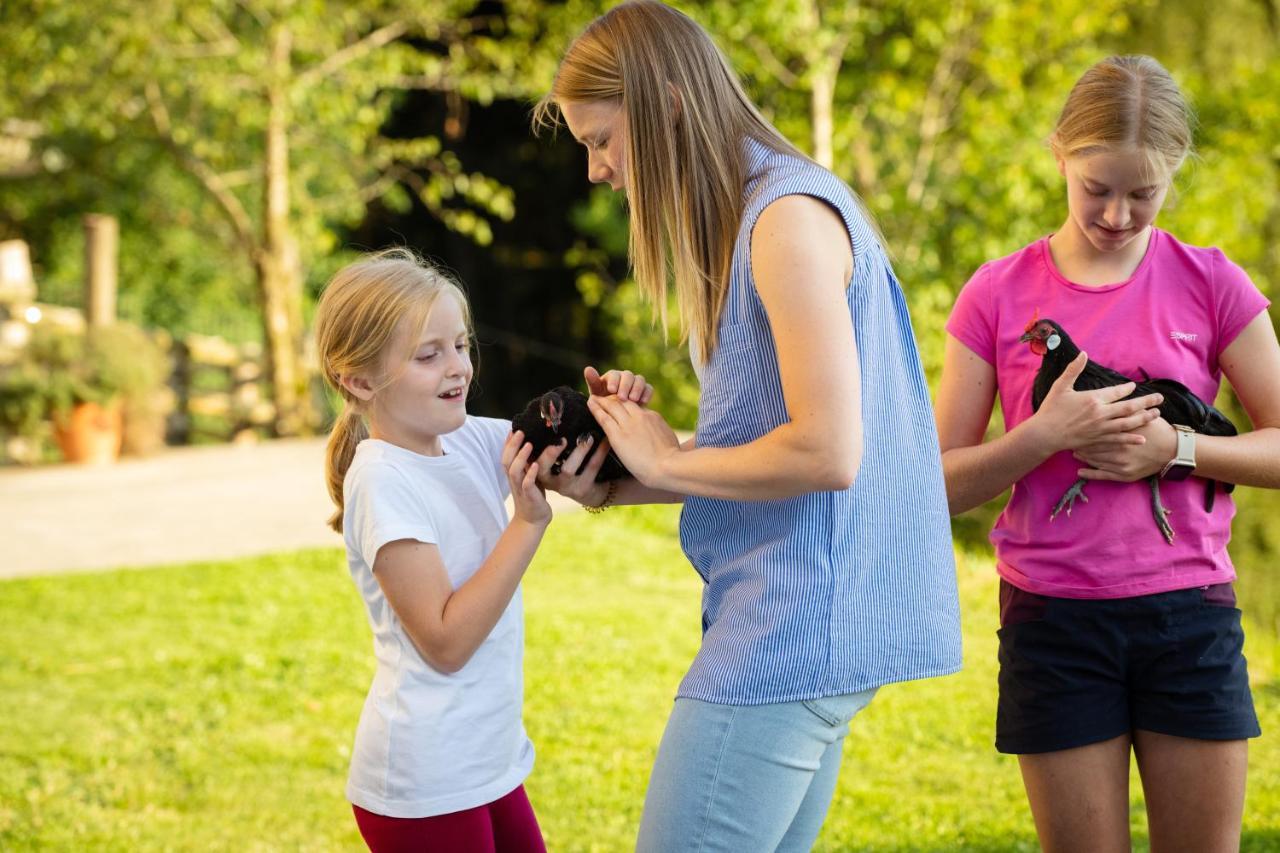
211, 706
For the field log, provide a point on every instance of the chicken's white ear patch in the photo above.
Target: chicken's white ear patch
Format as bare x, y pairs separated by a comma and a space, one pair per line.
1052, 342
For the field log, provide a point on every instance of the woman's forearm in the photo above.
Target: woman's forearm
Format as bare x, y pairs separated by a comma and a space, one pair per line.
631, 492
781, 464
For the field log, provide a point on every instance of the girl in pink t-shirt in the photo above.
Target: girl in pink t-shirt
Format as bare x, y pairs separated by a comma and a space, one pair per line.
1113, 638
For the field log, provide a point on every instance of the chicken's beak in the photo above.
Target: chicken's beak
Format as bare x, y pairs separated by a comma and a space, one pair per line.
1026, 338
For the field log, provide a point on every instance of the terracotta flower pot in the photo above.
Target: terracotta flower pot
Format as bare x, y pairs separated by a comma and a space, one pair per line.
90, 433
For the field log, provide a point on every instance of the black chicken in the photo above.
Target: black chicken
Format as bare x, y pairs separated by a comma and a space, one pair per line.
562, 413
1180, 406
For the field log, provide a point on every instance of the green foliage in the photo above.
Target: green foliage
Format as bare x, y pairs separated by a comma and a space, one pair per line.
73, 372
24, 407
640, 347
638, 343
211, 706
61, 368
941, 112
174, 271
939, 117
162, 119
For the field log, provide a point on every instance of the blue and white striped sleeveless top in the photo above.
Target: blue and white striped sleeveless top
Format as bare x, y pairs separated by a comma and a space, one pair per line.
829, 592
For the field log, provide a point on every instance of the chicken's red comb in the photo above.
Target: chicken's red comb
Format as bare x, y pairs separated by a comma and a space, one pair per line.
1034, 320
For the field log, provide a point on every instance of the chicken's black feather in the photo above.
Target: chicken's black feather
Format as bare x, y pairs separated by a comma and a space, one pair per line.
576, 423
1180, 404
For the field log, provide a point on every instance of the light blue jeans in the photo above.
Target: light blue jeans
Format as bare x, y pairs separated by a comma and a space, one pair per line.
746, 778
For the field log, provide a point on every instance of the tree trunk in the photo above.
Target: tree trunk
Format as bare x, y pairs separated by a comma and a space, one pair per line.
277, 264
824, 67
821, 105
101, 248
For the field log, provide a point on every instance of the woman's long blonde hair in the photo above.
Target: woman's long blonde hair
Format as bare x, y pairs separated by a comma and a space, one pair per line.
687, 118
362, 308
1127, 102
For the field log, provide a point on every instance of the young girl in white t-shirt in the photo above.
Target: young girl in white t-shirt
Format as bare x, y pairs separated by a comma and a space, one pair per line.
440, 752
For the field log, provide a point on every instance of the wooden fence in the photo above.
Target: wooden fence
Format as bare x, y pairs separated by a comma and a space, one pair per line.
218, 391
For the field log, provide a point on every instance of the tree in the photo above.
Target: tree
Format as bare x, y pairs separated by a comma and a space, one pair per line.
274, 108
936, 113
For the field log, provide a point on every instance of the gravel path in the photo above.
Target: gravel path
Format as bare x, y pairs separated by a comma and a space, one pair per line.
190, 503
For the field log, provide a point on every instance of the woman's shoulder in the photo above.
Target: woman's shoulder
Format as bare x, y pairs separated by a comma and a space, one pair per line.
794, 176
794, 189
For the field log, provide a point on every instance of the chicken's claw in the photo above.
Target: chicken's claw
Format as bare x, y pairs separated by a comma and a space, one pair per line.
1068, 498
1159, 510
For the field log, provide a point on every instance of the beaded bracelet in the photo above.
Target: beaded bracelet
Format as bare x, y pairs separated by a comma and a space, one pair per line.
608, 499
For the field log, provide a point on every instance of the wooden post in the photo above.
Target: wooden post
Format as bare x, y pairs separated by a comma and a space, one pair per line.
180, 421
101, 239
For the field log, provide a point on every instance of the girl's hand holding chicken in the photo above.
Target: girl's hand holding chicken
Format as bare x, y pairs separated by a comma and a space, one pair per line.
1129, 462
621, 387
581, 487
529, 498
1091, 421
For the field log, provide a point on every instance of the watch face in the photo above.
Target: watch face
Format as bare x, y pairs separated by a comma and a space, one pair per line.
1178, 472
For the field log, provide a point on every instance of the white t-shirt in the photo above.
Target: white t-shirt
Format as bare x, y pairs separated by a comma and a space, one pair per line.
430, 743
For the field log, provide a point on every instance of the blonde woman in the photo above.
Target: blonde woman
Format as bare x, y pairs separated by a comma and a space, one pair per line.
814, 506
1114, 639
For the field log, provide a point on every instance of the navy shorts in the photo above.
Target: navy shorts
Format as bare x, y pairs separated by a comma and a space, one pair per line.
1080, 671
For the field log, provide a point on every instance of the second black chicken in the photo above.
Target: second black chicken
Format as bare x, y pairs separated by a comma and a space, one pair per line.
1180, 406
562, 413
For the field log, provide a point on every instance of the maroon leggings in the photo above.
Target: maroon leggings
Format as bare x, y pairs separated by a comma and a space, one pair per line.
506, 825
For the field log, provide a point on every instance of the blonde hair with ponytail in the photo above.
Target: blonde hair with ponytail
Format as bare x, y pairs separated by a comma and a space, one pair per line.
687, 117
1127, 102
362, 308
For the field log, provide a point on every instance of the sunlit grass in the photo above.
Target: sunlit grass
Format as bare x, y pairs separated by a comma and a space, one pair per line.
211, 706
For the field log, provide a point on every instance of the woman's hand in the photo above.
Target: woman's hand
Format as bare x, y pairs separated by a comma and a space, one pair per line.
1071, 420
581, 487
640, 437
1125, 463
623, 384
530, 501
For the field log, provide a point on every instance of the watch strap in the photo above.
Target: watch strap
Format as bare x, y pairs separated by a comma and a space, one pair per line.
1184, 459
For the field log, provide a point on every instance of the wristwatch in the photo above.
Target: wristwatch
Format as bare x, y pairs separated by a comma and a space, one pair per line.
1184, 461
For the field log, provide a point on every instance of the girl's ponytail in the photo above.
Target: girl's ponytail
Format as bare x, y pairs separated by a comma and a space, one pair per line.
348, 430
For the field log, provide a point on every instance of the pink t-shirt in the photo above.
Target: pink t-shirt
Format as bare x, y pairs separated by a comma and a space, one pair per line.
1173, 317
